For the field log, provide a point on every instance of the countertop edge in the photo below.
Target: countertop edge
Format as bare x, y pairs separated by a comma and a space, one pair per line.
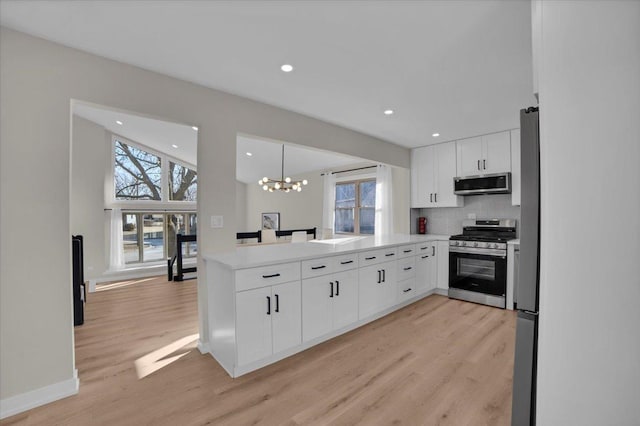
235, 265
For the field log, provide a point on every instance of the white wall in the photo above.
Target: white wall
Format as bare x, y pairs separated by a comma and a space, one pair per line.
38, 81
241, 205
589, 335
89, 154
300, 210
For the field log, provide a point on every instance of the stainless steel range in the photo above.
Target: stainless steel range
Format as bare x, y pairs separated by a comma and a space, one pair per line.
478, 261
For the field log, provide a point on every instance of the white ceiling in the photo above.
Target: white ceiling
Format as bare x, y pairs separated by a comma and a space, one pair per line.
266, 155
459, 68
155, 134
266, 160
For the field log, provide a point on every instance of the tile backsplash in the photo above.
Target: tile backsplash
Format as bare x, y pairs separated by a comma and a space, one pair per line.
448, 220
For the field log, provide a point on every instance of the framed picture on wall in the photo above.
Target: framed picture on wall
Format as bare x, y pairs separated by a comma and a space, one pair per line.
271, 221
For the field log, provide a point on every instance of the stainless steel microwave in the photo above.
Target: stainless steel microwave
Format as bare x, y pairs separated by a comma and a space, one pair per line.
498, 183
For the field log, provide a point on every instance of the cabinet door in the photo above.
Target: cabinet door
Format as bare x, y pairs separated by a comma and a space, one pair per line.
389, 294
497, 153
446, 169
441, 263
316, 307
515, 167
253, 324
423, 272
371, 291
469, 156
422, 176
286, 316
345, 299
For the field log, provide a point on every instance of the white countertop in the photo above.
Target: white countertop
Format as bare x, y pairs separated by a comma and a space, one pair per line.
515, 242
252, 256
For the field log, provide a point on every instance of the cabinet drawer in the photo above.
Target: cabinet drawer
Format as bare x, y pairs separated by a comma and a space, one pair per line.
344, 262
406, 268
406, 250
372, 257
316, 267
406, 289
426, 248
267, 275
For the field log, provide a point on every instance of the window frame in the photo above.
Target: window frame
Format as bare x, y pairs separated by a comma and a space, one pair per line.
356, 208
148, 205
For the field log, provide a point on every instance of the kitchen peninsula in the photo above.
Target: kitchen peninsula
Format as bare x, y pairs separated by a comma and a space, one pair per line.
267, 303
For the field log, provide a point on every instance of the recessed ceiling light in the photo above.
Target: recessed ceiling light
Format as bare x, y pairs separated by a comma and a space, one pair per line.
286, 68
435, 135
174, 145
249, 154
388, 111
119, 122
194, 128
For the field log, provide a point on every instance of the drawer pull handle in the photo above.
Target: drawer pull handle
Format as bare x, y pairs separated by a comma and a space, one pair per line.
277, 303
407, 290
337, 288
384, 275
346, 262
408, 268
390, 254
271, 276
318, 267
379, 276
331, 284
268, 305
424, 257
433, 251
369, 258
424, 248
407, 251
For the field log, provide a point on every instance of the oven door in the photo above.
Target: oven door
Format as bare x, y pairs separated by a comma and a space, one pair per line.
480, 273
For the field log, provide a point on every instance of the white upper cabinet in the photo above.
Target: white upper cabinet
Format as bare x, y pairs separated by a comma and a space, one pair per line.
469, 156
484, 155
515, 167
432, 171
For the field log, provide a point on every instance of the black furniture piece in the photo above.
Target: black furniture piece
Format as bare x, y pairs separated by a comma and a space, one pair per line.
177, 259
248, 235
79, 288
310, 231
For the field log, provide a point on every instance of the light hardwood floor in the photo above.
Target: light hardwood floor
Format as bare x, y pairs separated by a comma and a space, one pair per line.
435, 362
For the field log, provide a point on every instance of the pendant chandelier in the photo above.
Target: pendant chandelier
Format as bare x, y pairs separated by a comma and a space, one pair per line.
285, 184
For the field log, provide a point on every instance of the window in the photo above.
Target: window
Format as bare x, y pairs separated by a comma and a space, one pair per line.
139, 173
355, 207
148, 184
151, 236
183, 183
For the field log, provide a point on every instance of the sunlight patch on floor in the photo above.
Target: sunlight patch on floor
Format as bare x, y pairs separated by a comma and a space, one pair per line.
160, 358
120, 284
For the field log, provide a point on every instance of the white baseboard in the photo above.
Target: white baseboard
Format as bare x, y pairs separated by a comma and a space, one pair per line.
35, 398
203, 347
442, 291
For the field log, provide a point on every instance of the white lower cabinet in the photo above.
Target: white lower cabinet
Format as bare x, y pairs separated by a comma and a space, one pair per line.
329, 302
377, 288
268, 320
426, 268
259, 315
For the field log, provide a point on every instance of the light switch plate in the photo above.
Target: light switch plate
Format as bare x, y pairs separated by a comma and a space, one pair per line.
217, 222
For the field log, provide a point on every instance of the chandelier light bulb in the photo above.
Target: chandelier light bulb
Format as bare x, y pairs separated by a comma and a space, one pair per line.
266, 179
299, 189
304, 182
265, 187
260, 182
277, 185
295, 186
287, 179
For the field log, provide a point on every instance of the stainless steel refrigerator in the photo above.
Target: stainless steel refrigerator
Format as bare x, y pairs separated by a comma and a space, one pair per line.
525, 364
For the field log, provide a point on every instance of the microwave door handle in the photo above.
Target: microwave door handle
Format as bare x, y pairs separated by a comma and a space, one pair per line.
478, 164
484, 164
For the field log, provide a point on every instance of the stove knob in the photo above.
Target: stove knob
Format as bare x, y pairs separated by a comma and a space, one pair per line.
475, 244
463, 243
